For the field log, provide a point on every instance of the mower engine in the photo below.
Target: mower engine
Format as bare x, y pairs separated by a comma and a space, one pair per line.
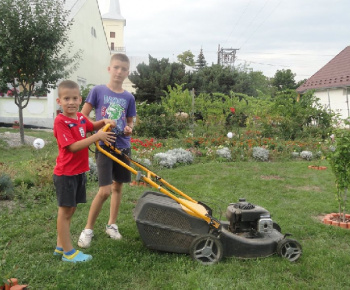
245, 217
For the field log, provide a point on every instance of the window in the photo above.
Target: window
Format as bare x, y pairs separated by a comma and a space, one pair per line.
112, 45
112, 34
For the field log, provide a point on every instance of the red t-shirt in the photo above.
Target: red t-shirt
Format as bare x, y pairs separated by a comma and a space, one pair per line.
68, 131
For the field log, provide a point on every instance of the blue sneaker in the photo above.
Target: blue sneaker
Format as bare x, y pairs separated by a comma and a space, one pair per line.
76, 257
57, 252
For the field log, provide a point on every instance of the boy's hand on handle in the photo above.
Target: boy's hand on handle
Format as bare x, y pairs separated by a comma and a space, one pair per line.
106, 136
111, 122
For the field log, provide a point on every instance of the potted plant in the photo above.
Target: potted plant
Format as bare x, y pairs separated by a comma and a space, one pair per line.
15, 125
339, 160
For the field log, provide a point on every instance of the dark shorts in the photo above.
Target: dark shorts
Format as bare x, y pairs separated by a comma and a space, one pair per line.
109, 170
70, 190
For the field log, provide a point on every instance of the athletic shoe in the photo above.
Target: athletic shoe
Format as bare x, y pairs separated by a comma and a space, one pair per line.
57, 252
113, 232
85, 238
76, 257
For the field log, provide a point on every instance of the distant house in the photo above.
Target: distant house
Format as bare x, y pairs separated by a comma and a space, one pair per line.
332, 84
88, 33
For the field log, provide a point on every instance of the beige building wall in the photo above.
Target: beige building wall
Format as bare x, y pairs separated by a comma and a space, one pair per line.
115, 34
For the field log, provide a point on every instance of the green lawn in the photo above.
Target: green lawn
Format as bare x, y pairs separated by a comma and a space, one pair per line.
295, 195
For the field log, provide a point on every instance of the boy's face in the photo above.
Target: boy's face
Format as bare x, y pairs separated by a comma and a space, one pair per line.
69, 100
118, 70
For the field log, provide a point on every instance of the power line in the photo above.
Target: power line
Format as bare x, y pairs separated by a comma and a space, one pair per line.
256, 15
238, 20
269, 64
261, 23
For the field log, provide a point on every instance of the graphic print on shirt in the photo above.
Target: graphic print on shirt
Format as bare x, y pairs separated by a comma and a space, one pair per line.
115, 111
82, 133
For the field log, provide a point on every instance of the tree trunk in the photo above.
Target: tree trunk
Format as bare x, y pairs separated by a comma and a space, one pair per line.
21, 125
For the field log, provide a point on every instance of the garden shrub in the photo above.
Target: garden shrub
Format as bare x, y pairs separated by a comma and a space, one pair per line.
291, 117
306, 155
171, 157
6, 187
155, 121
295, 154
143, 161
260, 154
165, 160
224, 153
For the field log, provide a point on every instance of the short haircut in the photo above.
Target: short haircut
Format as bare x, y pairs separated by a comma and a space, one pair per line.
120, 56
67, 84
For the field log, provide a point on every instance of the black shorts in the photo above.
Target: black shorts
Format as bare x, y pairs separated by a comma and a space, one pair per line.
108, 170
70, 190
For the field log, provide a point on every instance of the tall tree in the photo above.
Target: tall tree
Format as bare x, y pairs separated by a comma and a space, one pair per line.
201, 62
153, 79
251, 83
34, 49
284, 79
187, 58
212, 79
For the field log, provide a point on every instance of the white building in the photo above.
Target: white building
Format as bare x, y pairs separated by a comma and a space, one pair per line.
94, 35
332, 84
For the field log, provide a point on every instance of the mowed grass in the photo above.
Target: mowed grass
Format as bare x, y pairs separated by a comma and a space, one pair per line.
297, 198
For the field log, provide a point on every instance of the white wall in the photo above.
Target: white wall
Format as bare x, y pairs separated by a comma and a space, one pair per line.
336, 100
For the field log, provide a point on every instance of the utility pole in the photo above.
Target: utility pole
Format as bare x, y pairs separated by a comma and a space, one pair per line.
227, 56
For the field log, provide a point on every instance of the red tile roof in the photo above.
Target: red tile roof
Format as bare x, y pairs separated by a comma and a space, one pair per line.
336, 73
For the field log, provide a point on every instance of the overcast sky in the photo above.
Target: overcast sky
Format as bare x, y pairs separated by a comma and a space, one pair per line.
301, 35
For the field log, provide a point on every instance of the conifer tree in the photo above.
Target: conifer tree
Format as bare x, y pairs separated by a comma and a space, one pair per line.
201, 62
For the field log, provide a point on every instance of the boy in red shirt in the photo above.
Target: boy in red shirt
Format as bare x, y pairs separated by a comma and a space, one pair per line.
72, 162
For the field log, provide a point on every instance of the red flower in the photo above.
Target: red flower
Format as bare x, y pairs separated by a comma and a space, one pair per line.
233, 110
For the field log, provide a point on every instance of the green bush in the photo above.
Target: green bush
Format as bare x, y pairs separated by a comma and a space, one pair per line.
155, 121
6, 187
292, 118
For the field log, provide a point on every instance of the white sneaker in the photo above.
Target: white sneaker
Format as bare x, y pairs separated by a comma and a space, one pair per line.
85, 238
113, 232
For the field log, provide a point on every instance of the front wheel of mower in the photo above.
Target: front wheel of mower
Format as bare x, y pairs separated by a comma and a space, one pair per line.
289, 249
206, 249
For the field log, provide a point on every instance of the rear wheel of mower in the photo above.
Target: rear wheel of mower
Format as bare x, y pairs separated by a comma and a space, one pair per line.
289, 249
206, 249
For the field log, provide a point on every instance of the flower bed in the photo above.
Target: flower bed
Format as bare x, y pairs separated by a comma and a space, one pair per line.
334, 220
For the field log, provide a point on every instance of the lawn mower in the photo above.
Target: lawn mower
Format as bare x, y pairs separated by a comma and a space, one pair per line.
171, 221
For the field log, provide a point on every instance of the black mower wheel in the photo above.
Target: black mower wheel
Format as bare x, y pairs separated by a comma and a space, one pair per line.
289, 249
206, 249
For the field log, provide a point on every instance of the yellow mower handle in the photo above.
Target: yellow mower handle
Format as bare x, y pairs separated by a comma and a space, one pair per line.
190, 205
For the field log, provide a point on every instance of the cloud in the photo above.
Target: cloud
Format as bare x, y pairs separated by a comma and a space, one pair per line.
270, 34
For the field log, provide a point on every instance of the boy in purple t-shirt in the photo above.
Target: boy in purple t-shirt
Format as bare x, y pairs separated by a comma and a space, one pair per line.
113, 102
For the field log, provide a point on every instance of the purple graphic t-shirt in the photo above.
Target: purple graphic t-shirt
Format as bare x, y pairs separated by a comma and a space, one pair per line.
115, 106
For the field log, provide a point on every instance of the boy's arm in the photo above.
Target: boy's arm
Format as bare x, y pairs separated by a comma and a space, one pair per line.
100, 135
87, 108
